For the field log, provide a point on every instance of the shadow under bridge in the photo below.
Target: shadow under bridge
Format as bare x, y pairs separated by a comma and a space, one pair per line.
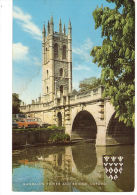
84, 126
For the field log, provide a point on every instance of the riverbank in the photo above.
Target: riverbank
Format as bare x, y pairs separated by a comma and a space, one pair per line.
27, 138
35, 137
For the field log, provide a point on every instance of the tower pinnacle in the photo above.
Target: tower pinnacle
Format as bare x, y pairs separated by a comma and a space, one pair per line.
51, 20
51, 25
69, 29
43, 33
48, 28
60, 26
43, 28
64, 29
69, 26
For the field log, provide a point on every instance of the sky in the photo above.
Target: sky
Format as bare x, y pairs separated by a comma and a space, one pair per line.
28, 19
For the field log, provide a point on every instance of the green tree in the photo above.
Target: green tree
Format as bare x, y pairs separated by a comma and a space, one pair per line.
89, 84
74, 92
15, 103
116, 56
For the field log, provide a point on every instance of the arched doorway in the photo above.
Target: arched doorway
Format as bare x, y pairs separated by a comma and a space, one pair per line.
84, 126
118, 132
59, 115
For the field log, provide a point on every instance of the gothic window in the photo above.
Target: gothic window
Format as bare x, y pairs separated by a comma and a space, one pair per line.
61, 72
55, 50
47, 73
61, 89
47, 89
64, 52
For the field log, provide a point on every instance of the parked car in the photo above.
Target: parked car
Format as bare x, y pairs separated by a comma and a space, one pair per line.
27, 123
15, 125
18, 116
41, 123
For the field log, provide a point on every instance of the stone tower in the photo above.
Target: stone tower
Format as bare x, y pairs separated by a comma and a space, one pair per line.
56, 62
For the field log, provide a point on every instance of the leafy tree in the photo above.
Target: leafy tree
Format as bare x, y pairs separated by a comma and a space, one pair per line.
74, 92
15, 103
89, 84
116, 56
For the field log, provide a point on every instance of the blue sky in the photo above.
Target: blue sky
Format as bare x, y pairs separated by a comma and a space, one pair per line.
28, 19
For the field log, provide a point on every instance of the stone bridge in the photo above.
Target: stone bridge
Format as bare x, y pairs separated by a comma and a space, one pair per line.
85, 116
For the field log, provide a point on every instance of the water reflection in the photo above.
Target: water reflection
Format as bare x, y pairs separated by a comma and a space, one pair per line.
125, 182
84, 158
70, 168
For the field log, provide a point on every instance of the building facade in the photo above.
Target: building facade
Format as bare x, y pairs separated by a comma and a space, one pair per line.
57, 62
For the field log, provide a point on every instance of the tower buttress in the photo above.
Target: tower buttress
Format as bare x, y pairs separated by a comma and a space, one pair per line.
43, 55
70, 55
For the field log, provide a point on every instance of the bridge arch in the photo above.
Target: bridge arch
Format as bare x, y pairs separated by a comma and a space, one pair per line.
118, 132
84, 126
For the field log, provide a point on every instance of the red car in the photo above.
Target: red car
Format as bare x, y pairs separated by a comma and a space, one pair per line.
27, 123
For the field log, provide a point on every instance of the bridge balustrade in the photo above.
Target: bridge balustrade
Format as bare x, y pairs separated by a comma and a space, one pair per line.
91, 95
73, 99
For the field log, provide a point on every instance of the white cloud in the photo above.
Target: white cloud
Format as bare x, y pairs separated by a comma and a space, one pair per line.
87, 44
25, 20
81, 67
84, 50
36, 61
20, 51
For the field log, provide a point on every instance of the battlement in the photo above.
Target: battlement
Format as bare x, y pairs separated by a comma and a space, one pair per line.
50, 30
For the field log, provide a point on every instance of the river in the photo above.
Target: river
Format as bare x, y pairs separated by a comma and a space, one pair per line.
76, 168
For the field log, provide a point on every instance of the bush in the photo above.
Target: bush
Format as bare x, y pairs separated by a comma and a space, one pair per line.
59, 138
54, 127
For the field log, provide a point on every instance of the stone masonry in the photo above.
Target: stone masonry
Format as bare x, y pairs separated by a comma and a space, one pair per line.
58, 105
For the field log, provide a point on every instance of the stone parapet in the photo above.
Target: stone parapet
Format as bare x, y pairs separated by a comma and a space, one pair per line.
94, 94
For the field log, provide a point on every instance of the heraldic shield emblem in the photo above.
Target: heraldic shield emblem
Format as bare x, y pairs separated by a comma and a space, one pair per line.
113, 166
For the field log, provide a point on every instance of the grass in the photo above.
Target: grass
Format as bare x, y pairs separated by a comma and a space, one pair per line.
52, 127
59, 138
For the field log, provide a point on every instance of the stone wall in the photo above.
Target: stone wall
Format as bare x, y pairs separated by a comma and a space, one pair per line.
101, 110
32, 137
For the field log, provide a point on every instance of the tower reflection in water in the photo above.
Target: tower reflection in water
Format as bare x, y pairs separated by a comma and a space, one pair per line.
78, 167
